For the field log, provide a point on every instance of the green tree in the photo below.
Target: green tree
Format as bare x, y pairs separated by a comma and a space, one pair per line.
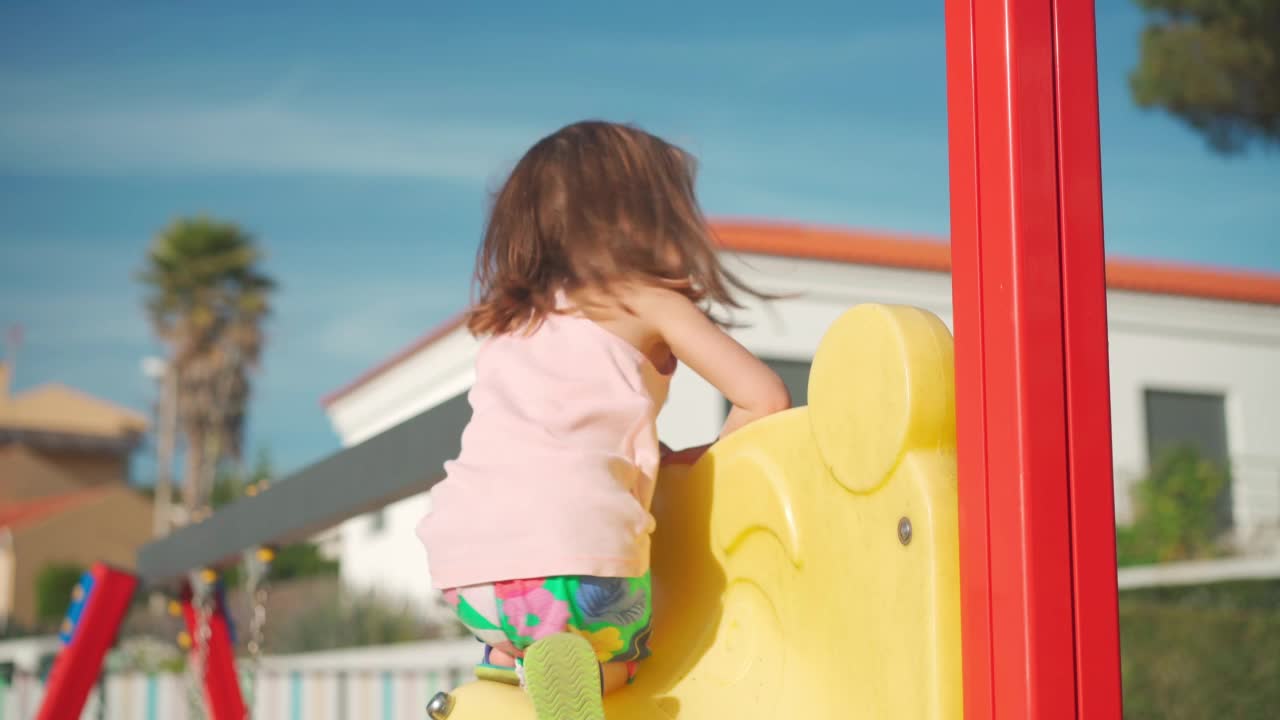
231, 483
208, 299
1215, 64
301, 560
54, 584
1177, 511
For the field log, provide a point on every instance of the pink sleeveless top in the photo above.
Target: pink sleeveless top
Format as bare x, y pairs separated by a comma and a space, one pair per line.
558, 462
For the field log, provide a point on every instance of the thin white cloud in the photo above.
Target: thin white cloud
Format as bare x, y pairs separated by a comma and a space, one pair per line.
351, 323
78, 320
319, 335
86, 308
30, 255
119, 119
376, 320
747, 56
249, 138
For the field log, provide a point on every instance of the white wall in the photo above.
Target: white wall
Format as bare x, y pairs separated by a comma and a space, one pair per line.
1156, 342
421, 381
368, 556
392, 559
1164, 343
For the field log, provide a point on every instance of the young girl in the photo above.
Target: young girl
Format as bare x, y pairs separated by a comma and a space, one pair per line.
593, 280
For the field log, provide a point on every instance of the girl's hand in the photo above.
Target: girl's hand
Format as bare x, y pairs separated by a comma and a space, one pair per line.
688, 456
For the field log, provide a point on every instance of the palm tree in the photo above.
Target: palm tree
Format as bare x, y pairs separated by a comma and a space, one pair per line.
208, 300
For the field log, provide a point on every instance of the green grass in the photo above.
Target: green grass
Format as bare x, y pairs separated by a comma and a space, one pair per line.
1202, 652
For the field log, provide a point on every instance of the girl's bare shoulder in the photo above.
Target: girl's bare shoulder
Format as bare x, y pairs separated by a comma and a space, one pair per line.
631, 311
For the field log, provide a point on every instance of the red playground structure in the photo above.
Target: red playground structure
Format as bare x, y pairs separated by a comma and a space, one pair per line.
1039, 623
1040, 632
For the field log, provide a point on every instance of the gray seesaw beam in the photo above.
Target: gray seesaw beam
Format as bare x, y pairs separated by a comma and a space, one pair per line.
402, 461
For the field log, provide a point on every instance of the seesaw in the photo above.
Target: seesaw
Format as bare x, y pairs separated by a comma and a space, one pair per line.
808, 565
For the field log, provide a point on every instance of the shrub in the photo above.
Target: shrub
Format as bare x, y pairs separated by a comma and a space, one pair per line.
352, 619
1177, 511
301, 560
54, 584
293, 562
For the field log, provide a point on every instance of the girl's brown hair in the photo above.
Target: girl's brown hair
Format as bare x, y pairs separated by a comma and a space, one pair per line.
593, 204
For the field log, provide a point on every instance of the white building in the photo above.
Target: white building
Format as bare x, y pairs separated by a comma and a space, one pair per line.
1195, 356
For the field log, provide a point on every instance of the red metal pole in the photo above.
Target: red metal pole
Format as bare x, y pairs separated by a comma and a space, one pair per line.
1084, 304
966, 288
101, 601
1036, 519
221, 684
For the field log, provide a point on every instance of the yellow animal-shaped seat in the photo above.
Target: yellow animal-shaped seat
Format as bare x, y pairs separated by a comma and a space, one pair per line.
807, 566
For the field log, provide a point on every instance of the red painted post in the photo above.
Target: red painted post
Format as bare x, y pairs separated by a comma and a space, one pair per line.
966, 289
90, 631
1036, 519
1084, 300
221, 683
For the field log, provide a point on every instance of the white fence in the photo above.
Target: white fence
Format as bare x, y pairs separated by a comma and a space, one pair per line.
392, 682
1200, 572
1255, 495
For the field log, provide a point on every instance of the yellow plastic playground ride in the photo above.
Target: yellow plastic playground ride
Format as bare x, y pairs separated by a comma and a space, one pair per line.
807, 567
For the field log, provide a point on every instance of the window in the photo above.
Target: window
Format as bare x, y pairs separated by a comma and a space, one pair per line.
794, 374
1182, 418
1177, 419
377, 521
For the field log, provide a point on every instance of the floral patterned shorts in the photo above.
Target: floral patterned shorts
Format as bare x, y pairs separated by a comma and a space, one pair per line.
613, 614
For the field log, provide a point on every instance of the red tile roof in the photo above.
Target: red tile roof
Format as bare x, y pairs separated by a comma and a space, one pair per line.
909, 252
56, 408
15, 515
934, 254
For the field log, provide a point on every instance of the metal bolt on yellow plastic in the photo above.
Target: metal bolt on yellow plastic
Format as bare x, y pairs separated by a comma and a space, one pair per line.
904, 531
440, 706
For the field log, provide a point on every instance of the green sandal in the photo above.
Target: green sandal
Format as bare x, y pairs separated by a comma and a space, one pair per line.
563, 679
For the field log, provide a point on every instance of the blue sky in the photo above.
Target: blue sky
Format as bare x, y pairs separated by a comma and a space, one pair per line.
359, 146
